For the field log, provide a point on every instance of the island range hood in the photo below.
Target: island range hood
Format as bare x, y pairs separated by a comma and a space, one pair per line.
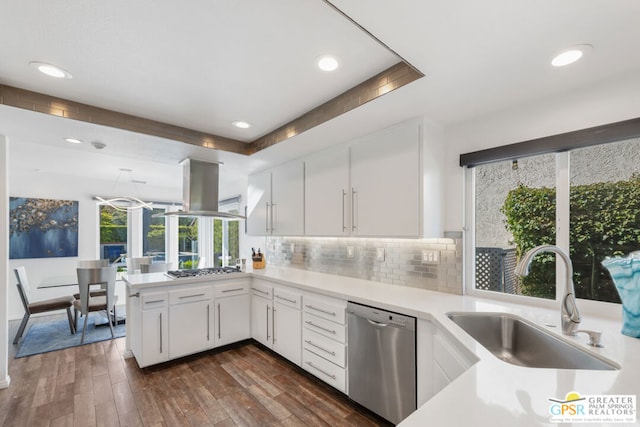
200, 191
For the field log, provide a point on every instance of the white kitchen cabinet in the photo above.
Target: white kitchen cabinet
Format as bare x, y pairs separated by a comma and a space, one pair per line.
276, 201
287, 324
150, 340
327, 193
324, 339
386, 183
450, 359
232, 313
190, 321
261, 316
259, 204
276, 319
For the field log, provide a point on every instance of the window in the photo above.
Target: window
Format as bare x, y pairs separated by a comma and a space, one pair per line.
187, 242
594, 189
515, 211
113, 233
154, 234
226, 234
604, 207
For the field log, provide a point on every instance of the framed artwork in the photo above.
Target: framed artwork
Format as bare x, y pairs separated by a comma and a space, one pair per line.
42, 228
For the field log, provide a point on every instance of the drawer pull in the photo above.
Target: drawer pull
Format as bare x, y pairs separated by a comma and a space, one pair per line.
232, 290
310, 323
136, 295
292, 301
333, 353
191, 296
261, 291
321, 370
154, 301
330, 313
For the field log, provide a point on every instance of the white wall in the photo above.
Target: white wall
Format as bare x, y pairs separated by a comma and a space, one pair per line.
4, 267
568, 112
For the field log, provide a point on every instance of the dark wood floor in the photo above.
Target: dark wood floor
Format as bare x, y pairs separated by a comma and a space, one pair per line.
94, 385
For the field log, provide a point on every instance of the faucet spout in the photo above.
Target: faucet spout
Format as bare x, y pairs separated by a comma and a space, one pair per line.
570, 316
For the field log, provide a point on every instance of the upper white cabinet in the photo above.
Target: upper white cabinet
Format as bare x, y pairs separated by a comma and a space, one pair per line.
385, 183
327, 205
276, 201
369, 188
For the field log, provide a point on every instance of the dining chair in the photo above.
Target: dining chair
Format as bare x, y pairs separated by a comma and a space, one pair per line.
156, 267
105, 277
93, 263
42, 306
133, 264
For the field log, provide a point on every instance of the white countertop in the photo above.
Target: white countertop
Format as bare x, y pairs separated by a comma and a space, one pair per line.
492, 392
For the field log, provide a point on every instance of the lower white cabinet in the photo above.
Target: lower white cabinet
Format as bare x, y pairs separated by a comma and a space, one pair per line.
185, 319
287, 324
232, 313
324, 339
150, 334
276, 319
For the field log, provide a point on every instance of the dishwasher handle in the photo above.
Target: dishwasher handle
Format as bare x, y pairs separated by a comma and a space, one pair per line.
377, 324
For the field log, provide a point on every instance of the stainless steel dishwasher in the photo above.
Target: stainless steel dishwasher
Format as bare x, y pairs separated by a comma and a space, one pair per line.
381, 361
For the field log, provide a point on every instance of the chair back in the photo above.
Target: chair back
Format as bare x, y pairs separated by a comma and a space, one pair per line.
103, 276
23, 286
133, 264
93, 263
156, 267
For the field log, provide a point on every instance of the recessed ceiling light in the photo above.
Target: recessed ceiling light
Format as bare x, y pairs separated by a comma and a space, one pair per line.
328, 63
51, 70
241, 124
571, 55
73, 140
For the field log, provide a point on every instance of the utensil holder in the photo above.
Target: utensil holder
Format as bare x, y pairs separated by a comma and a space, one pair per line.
257, 265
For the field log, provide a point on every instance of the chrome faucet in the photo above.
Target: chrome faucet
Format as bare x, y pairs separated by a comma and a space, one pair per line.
570, 316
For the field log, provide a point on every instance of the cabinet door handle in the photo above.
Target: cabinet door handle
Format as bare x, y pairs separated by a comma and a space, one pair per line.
353, 209
267, 323
292, 301
330, 313
272, 216
333, 353
273, 318
331, 331
266, 226
321, 370
136, 295
344, 195
190, 296
219, 327
208, 319
160, 332
232, 290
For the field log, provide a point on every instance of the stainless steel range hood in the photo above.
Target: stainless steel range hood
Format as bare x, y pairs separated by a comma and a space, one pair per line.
200, 191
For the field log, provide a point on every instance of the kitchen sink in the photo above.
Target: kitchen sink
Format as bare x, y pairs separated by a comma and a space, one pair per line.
520, 342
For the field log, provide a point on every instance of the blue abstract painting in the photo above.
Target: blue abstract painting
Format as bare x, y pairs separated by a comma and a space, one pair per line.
42, 228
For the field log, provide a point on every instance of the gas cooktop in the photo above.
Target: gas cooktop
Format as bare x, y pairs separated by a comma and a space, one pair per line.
196, 272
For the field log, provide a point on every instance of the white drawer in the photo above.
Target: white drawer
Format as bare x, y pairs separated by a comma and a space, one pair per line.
324, 327
240, 287
262, 288
153, 300
183, 296
326, 348
286, 297
327, 308
326, 371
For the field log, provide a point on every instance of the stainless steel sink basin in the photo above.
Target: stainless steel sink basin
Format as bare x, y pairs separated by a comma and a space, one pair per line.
520, 342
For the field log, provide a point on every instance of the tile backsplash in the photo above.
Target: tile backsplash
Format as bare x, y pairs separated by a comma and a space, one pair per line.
402, 262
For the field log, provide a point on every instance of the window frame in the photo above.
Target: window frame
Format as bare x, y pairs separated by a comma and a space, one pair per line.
601, 308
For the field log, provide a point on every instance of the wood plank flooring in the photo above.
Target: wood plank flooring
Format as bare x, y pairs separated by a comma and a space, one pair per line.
248, 385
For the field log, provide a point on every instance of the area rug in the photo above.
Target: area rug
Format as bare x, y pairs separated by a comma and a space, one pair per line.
55, 335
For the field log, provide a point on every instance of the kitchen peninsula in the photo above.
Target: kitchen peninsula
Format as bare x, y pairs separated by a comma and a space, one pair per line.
498, 393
